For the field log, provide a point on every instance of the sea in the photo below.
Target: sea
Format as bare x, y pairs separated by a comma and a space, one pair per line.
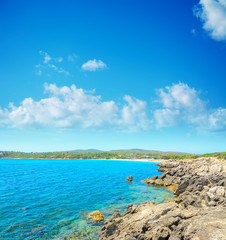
51, 198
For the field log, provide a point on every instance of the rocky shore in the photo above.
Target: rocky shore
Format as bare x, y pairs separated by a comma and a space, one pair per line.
198, 211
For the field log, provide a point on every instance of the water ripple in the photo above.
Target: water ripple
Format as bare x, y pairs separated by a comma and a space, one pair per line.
49, 199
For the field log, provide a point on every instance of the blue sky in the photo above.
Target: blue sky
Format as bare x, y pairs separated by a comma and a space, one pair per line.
112, 75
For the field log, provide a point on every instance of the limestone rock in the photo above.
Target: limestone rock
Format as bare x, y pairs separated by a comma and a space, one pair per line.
197, 213
150, 180
220, 191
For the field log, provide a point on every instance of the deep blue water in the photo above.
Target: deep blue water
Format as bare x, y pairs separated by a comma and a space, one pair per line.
49, 199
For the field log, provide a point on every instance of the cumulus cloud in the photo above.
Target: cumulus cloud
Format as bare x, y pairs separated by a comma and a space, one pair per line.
50, 64
93, 65
182, 104
74, 107
166, 117
134, 113
213, 15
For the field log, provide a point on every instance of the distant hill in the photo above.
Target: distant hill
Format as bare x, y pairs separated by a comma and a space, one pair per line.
98, 154
133, 150
86, 150
116, 150
120, 150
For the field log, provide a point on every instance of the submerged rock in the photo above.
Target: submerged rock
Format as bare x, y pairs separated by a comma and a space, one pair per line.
129, 179
97, 216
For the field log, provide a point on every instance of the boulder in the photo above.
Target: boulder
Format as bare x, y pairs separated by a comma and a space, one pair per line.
97, 216
129, 179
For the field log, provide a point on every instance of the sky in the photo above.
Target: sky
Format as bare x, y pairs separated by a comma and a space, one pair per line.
147, 74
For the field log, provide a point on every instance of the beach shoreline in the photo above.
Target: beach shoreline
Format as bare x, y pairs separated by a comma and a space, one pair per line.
102, 159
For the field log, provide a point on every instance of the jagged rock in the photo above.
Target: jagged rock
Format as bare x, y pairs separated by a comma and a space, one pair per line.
197, 213
163, 175
97, 216
181, 188
159, 182
150, 180
210, 224
129, 179
168, 180
134, 221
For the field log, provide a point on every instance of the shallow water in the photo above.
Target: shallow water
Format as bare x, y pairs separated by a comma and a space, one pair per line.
50, 199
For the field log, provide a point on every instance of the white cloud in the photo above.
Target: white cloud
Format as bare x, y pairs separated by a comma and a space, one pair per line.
73, 107
213, 15
50, 64
180, 96
76, 108
217, 119
47, 58
134, 113
180, 103
93, 65
166, 117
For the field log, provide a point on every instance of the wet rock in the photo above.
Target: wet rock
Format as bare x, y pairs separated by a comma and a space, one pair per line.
158, 164
129, 179
129, 206
97, 216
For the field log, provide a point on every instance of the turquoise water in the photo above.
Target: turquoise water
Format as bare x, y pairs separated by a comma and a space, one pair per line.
50, 199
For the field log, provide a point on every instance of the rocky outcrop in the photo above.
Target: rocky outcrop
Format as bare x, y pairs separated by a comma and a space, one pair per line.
151, 180
198, 211
129, 179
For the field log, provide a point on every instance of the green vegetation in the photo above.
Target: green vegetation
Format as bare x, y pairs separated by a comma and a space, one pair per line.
220, 155
99, 155
109, 155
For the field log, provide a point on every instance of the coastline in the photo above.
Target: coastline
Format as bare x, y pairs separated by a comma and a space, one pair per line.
111, 159
197, 212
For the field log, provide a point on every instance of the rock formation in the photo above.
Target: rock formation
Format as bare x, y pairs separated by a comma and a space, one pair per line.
198, 211
129, 179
